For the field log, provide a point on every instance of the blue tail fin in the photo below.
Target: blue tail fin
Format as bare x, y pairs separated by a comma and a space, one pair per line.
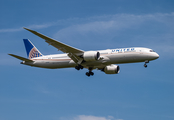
32, 51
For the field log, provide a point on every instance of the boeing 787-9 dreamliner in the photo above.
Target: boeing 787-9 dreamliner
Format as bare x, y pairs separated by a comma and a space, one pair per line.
103, 60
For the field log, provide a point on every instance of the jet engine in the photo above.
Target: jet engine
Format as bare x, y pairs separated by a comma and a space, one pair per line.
91, 56
112, 69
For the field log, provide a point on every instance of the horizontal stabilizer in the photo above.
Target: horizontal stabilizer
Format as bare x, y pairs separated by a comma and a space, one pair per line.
21, 58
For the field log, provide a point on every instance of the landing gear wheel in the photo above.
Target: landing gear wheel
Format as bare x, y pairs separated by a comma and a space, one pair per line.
81, 67
87, 73
145, 65
91, 73
77, 68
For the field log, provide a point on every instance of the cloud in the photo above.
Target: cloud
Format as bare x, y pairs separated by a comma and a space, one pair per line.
100, 23
11, 30
111, 24
124, 30
43, 90
31, 27
84, 117
90, 117
41, 26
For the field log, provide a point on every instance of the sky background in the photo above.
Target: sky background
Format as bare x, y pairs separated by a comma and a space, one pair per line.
136, 93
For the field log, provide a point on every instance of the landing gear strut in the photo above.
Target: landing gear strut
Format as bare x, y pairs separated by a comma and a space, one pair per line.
90, 72
78, 67
145, 65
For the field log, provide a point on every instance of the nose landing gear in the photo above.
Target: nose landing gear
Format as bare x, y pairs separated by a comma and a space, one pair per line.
145, 65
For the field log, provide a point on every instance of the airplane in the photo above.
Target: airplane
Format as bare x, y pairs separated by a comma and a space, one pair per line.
104, 60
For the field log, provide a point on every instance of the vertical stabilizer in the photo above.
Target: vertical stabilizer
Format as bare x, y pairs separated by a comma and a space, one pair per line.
31, 50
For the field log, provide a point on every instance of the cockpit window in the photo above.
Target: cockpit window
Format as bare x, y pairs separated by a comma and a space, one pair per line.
152, 51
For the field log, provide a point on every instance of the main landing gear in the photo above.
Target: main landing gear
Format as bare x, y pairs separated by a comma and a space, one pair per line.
90, 72
145, 65
78, 67
87, 73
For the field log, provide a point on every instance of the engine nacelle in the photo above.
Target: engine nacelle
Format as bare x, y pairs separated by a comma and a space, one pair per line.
91, 56
112, 69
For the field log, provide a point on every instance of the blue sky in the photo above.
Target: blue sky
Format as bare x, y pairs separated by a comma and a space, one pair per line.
136, 93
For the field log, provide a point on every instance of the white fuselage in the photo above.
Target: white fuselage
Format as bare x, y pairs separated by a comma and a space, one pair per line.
107, 57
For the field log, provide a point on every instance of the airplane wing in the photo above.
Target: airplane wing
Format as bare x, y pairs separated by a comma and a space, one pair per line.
21, 58
73, 53
59, 45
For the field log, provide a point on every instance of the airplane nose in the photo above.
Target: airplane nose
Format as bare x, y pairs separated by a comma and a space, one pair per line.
156, 56
153, 56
